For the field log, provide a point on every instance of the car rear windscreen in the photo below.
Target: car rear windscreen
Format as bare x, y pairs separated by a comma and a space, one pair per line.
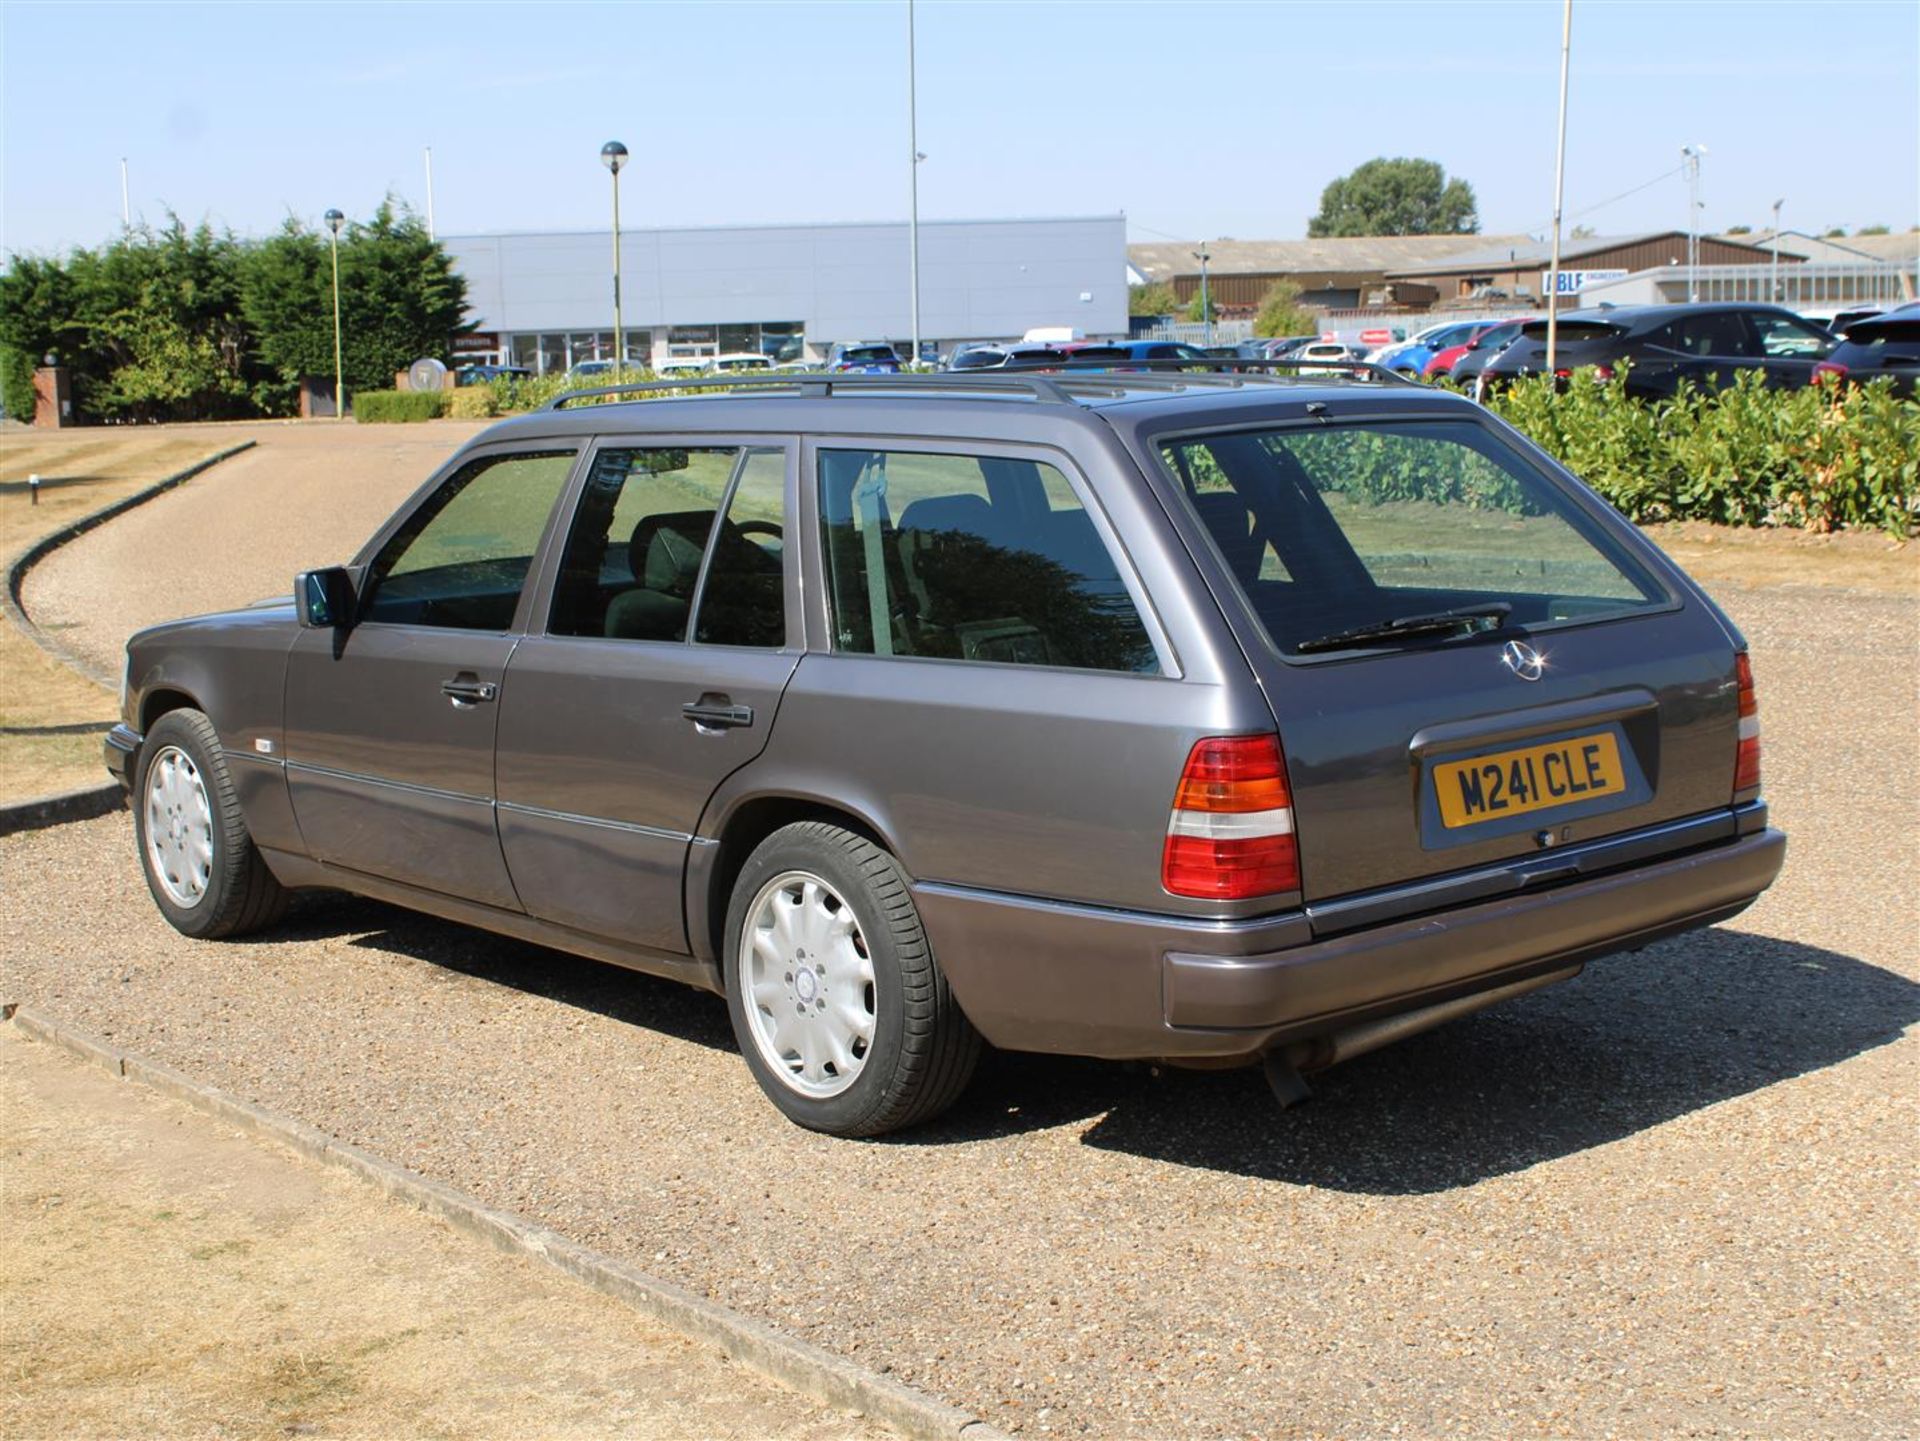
1332, 528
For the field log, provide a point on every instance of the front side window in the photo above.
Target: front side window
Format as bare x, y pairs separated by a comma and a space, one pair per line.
1334, 532
460, 560
977, 558
641, 537
1718, 332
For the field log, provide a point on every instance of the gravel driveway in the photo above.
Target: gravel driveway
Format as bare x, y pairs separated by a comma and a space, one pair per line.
1674, 1197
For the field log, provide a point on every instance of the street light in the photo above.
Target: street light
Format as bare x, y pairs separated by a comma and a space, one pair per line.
1559, 193
334, 221
614, 155
1690, 161
913, 189
1206, 304
1773, 276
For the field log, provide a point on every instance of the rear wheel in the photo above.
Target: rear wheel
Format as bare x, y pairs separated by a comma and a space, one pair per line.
840, 1009
205, 873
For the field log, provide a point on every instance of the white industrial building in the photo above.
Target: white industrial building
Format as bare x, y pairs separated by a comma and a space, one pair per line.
545, 300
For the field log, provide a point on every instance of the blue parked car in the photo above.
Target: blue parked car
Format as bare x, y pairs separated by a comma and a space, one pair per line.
876, 358
1412, 357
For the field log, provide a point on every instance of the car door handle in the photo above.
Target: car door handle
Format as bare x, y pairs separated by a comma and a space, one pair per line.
717, 713
464, 692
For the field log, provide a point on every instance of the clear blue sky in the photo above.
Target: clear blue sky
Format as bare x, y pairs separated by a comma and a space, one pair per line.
1196, 119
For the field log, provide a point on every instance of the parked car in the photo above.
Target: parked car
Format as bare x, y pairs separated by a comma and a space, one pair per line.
1410, 357
1705, 346
1126, 350
1117, 722
1329, 351
487, 374
681, 365
1441, 361
1023, 355
866, 358
738, 361
1473, 359
1885, 345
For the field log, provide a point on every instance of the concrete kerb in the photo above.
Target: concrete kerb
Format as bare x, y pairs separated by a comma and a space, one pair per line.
48, 544
43, 811
799, 1365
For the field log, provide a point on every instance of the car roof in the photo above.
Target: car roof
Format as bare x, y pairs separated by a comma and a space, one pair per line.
986, 406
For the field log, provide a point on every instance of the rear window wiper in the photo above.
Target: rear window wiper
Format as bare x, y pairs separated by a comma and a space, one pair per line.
1438, 622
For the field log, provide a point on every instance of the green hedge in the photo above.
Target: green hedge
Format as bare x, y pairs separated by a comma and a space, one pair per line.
375, 407
1820, 457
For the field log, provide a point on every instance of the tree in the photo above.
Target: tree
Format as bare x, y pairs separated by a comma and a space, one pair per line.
1156, 298
1873, 230
1739, 230
400, 299
1583, 232
1197, 313
1282, 314
1396, 197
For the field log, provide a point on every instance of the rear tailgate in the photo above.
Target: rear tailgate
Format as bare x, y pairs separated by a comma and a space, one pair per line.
1437, 749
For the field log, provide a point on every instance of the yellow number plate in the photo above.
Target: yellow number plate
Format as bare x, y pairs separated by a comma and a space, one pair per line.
1511, 783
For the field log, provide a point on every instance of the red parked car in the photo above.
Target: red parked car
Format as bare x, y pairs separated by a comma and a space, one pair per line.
1442, 360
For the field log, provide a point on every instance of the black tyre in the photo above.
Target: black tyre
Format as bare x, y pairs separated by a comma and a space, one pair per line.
205, 873
837, 1001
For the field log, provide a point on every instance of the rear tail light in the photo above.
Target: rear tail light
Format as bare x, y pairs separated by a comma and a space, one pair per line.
1828, 370
1231, 832
1746, 766
1603, 372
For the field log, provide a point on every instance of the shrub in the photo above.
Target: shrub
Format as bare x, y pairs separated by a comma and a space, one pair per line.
375, 407
472, 402
1819, 457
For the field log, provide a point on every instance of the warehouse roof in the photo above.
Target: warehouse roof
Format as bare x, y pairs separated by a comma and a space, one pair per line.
1333, 254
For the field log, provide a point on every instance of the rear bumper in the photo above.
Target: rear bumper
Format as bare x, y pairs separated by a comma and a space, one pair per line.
1043, 977
122, 753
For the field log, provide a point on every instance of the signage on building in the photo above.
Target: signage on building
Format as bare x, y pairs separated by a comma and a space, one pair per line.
1572, 282
476, 342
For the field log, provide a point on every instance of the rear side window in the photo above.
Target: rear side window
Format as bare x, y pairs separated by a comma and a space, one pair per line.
1789, 337
975, 558
644, 536
1341, 528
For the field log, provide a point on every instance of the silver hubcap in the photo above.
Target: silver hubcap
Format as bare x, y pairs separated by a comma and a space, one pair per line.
809, 985
179, 826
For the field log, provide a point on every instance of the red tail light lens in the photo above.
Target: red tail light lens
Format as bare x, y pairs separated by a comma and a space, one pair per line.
1828, 371
1746, 766
1231, 832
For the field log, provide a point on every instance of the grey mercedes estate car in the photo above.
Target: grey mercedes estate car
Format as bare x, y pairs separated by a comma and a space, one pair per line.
1211, 718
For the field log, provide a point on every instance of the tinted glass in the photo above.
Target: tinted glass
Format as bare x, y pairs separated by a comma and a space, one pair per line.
461, 558
743, 601
971, 558
633, 554
1339, 527
1717, 333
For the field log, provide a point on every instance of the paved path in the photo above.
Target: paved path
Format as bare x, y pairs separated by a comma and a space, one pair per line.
308, 494
166, 1276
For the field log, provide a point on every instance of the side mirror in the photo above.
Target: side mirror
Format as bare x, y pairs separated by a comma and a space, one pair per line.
324, 599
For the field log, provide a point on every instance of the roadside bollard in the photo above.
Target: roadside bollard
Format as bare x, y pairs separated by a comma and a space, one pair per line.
33, 488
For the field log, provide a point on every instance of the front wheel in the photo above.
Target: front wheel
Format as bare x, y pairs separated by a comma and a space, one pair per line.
838, 1004
205, 873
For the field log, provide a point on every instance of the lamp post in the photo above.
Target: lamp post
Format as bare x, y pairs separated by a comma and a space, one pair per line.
913, 189
1773, 266
1559, 194
1690, 158
334, 221
1206, 302
614, 155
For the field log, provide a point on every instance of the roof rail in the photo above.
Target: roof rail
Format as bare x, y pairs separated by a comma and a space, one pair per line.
822, 384
1042, 379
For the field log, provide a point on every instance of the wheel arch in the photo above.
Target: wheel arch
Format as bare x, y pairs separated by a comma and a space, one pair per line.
162, 699
717, 860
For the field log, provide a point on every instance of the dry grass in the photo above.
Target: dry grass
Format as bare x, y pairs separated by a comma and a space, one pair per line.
39, 698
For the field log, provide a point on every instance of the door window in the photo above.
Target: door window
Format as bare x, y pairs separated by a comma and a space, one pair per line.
460, 560
743, 601
1718, 332
644, 535
1787, 337
972, 558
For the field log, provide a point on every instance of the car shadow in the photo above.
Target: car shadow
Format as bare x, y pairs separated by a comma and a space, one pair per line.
1635, 1041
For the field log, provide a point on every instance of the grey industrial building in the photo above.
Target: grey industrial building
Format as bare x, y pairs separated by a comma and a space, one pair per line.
545, 300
